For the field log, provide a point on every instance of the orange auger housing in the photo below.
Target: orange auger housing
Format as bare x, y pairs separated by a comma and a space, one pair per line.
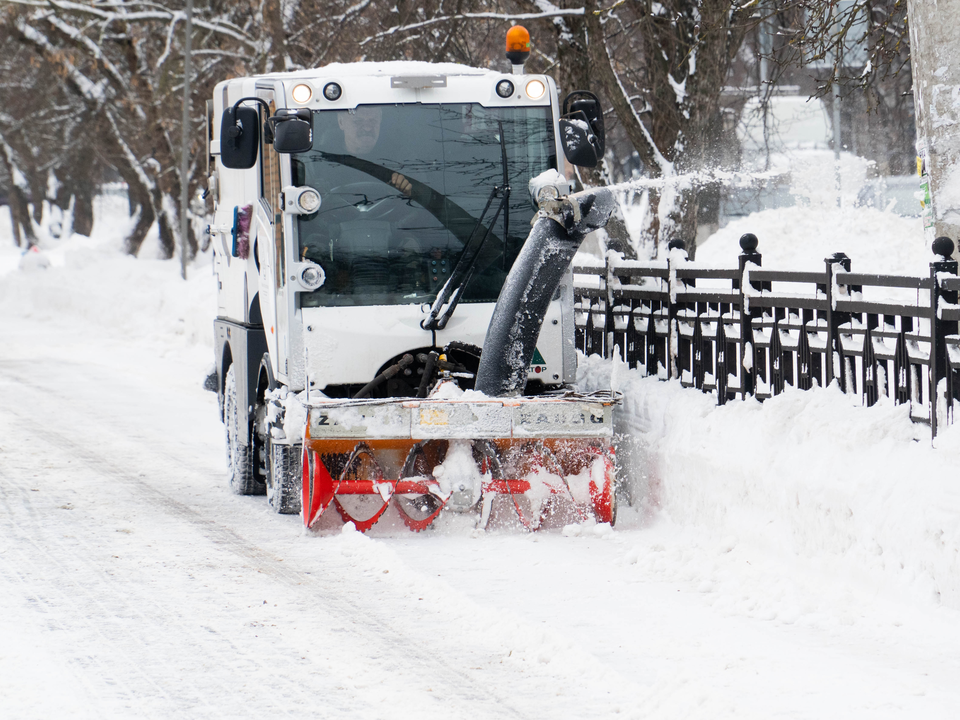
543, 456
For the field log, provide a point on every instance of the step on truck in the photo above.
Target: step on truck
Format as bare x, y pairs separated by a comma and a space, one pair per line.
392, 247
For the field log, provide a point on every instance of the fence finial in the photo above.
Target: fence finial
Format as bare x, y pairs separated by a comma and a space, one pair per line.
749, 243
943, 246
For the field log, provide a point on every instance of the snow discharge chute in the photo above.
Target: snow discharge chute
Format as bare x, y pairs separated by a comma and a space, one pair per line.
545, 257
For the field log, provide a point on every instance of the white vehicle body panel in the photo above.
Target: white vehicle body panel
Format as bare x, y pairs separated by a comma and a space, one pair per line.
349, 345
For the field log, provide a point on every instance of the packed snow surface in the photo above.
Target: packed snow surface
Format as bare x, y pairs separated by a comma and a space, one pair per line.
796, 558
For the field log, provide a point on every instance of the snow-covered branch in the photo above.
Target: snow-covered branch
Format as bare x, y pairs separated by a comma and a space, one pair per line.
125, 15
89, 90
513, 17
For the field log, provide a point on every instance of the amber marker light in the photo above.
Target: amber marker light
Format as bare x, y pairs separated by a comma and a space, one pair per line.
302, 93
518, 45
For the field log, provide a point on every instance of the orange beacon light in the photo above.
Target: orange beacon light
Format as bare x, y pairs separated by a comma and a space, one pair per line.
518, 45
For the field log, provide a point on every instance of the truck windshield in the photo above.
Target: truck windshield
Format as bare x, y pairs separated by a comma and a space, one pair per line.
402, 189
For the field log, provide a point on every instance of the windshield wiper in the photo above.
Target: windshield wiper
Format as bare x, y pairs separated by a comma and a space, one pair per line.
453, 217
462, 272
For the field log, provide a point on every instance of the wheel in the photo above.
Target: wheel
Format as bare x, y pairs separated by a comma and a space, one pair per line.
284, 478
241, 453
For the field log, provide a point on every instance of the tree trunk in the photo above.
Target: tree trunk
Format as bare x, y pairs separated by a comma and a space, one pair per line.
935, 56
138, 198
83, 212
575, 69
20, 218
166, 226
79, 185
135, 240
275, 61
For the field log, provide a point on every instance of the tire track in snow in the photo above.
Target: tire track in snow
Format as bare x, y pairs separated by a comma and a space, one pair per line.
396, 654
116, 614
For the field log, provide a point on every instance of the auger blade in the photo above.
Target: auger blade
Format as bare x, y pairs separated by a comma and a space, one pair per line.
362, 495
419, 509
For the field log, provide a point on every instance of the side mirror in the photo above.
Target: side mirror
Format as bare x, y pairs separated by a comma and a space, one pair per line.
581, 129
239, 137
293, 131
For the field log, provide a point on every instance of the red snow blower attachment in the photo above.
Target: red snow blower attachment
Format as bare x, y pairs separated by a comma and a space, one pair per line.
544, 455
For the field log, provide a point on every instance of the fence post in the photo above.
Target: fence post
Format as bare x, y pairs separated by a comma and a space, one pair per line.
608, 324
942, 246
748, 374
673, 327
834, 320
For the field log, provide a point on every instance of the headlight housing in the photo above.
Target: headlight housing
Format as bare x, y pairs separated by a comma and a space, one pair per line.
303, 200
332, 91
505, 89
536, 89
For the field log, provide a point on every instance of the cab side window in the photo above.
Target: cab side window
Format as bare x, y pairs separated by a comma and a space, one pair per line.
270, 193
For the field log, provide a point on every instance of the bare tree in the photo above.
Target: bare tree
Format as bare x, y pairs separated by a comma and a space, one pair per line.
123, 62
858, 50
659, 68
936, 47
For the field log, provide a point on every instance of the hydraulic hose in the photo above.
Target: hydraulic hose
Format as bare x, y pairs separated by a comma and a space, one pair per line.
384, 376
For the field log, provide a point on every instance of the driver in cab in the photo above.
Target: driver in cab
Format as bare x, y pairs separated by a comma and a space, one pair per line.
364, 250
361, 131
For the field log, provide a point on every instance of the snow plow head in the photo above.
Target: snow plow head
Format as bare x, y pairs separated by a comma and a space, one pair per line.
539, 456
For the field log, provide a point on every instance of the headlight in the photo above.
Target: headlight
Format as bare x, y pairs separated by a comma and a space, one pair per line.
309, 200
312, 277
504, 88
302, 93
536, 89
300, 200
332, 91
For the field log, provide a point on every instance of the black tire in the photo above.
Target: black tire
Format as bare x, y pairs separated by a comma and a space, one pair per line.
241, 453
284, 478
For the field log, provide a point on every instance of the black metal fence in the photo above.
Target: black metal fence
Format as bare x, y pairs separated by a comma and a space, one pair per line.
748, 331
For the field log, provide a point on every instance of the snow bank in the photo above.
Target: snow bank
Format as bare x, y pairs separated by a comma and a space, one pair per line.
822, 485
90, 280
799, 238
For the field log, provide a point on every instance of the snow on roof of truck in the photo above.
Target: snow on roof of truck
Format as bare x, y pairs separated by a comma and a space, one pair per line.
392, 68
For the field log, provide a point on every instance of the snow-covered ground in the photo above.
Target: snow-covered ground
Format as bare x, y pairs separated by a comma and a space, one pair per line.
797, 558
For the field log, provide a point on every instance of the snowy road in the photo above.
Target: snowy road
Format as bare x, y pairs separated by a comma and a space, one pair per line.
133, 584
801, 560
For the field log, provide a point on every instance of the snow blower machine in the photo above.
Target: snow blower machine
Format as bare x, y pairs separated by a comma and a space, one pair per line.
391, 331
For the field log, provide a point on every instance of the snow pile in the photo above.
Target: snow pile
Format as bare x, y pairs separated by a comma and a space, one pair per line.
784, 558
811, 477
80, 280
799, 238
